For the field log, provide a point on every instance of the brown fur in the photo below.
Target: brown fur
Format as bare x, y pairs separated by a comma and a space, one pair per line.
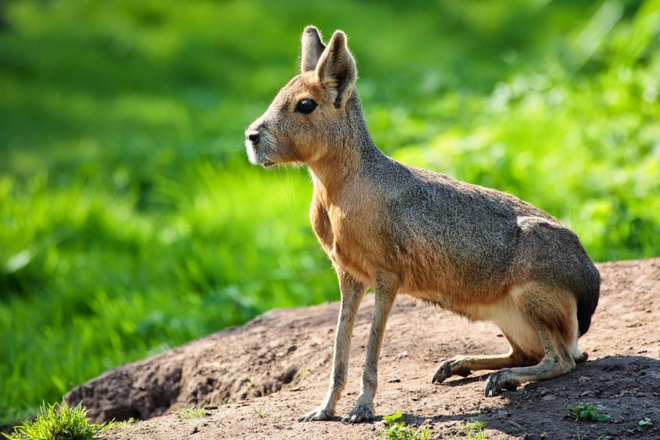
478, 252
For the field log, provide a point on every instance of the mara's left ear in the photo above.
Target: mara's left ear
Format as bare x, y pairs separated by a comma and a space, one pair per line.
336, 68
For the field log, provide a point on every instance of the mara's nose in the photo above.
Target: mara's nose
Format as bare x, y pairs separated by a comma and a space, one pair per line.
253, 136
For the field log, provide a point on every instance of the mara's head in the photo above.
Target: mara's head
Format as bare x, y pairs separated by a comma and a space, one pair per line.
311, 114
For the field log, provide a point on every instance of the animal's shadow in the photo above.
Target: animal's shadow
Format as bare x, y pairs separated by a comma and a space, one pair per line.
627, 388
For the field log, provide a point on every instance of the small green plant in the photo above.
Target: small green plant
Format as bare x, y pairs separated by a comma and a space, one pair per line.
397, 430
114, 424
645, 422
246, 380
260, 413
587, 412
190, 412
475, 430
58, 422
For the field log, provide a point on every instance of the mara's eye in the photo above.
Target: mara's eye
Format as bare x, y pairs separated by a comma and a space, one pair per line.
306, 106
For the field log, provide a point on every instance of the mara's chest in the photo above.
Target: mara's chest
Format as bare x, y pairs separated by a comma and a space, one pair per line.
349, 237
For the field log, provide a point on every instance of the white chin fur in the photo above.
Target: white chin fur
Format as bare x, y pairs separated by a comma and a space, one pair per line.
252, 155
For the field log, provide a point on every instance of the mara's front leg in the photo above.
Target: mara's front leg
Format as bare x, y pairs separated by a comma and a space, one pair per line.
385, 292
352, 292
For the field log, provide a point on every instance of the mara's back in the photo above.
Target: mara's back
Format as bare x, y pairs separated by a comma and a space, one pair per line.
450, 239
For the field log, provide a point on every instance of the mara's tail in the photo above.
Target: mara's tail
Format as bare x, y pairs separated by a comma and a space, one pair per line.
587, 298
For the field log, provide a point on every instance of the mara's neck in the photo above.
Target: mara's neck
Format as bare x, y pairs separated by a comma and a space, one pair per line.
346, 156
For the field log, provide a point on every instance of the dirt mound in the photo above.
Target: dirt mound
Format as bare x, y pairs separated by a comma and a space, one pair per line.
257, 379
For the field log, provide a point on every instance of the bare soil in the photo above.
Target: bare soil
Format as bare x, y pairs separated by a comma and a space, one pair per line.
256, 380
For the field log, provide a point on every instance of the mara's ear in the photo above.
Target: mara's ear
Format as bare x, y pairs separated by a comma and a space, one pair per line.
336, 68
312, 48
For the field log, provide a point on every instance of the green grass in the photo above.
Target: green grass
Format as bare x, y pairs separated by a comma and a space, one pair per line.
584, 412
131, 222
190, 412
395, 429
474, 430
645, 422
59, 422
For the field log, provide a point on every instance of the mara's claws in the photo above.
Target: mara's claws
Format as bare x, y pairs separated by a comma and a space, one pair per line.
443, 372
449, 368
500, 380
317, 415
359, 414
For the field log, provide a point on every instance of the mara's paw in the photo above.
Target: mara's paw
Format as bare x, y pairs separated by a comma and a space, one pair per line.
454, 366
317, 415
503, 379
359, 414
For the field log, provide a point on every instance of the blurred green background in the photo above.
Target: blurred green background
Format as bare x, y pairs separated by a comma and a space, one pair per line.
132, 223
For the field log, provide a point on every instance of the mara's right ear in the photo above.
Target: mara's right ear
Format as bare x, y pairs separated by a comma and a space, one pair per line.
312, 48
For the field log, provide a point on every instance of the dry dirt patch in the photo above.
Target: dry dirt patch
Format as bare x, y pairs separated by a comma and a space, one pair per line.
257, 379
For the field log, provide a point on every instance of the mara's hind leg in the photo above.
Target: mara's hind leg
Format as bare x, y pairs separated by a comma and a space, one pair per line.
464, 365
511, 318
556, 362
552, 314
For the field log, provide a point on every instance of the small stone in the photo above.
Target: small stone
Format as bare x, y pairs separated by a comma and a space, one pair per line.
394, 380
514, 424
401, 355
